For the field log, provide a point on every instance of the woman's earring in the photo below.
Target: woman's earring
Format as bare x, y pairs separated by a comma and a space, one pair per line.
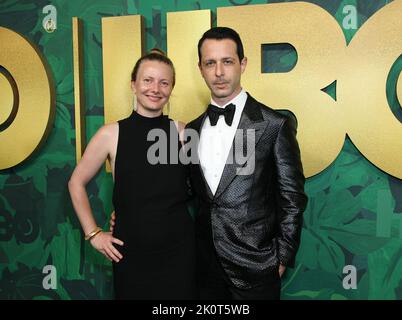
168, 108
135, 104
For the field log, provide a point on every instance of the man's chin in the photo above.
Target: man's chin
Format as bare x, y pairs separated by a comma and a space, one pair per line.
221, 94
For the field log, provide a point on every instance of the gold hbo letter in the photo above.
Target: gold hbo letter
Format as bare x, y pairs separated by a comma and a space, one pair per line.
27, 99
360, 69
191, 95
320, 46
122, 46
371, 125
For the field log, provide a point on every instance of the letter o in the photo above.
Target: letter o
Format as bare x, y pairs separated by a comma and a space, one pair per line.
28, 103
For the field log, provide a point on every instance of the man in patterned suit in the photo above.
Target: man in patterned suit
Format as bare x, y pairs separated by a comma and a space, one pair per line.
249, 221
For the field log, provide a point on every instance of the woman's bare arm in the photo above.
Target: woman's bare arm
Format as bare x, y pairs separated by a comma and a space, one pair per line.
101, 147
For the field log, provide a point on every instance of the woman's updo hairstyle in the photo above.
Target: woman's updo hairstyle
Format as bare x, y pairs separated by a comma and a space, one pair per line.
154, 54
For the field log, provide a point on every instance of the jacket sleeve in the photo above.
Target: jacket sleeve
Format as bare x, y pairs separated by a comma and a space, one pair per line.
291, 199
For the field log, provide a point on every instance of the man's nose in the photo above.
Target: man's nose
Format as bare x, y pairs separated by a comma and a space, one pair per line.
219, 69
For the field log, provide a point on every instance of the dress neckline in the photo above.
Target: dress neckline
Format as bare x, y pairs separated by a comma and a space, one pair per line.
148, 120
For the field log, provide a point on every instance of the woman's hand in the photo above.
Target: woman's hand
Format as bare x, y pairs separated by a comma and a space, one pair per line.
103, 242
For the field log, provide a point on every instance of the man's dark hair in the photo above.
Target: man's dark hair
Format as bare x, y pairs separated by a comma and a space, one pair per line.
219, 33
154, 55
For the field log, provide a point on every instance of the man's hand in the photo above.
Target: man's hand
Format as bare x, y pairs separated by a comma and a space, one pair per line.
282, 269
112, 222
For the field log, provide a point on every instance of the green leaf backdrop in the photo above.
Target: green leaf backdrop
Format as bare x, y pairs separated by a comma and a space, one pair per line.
38, 226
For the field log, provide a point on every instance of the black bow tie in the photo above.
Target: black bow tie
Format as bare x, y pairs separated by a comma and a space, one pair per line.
214, 112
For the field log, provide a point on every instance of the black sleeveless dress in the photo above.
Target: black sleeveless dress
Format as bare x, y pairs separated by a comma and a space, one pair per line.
151, 216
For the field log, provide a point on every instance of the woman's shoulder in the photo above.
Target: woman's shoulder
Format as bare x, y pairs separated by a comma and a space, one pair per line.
180, 126
109, 130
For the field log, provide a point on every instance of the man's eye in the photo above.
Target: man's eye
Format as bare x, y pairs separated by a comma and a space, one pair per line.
147, 80
209, 63
165, 84
228, 62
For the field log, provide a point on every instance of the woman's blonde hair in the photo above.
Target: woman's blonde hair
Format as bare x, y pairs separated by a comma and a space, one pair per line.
155, 54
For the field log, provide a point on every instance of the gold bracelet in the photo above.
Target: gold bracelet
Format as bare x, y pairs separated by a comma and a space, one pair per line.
99, 231
93, 233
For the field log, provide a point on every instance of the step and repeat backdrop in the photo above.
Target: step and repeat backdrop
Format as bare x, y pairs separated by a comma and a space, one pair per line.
335, 64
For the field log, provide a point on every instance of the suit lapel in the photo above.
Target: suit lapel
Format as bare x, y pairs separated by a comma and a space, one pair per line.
197, 167
251, 119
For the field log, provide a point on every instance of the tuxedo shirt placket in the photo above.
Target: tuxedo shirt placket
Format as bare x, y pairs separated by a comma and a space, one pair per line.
216, 142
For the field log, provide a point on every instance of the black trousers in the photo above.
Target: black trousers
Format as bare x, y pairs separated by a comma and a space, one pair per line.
214, 284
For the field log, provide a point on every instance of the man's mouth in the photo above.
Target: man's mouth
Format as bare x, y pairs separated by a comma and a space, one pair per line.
220, 84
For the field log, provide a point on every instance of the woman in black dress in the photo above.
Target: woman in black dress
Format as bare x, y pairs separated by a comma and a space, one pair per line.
152, 246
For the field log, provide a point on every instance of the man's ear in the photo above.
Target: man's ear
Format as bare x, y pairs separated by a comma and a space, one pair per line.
200, 68
133, 86
243, 64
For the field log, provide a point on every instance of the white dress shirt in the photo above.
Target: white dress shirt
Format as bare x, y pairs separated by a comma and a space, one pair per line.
216, 142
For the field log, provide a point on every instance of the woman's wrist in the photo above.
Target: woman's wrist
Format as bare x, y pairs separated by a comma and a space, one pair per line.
93, 233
